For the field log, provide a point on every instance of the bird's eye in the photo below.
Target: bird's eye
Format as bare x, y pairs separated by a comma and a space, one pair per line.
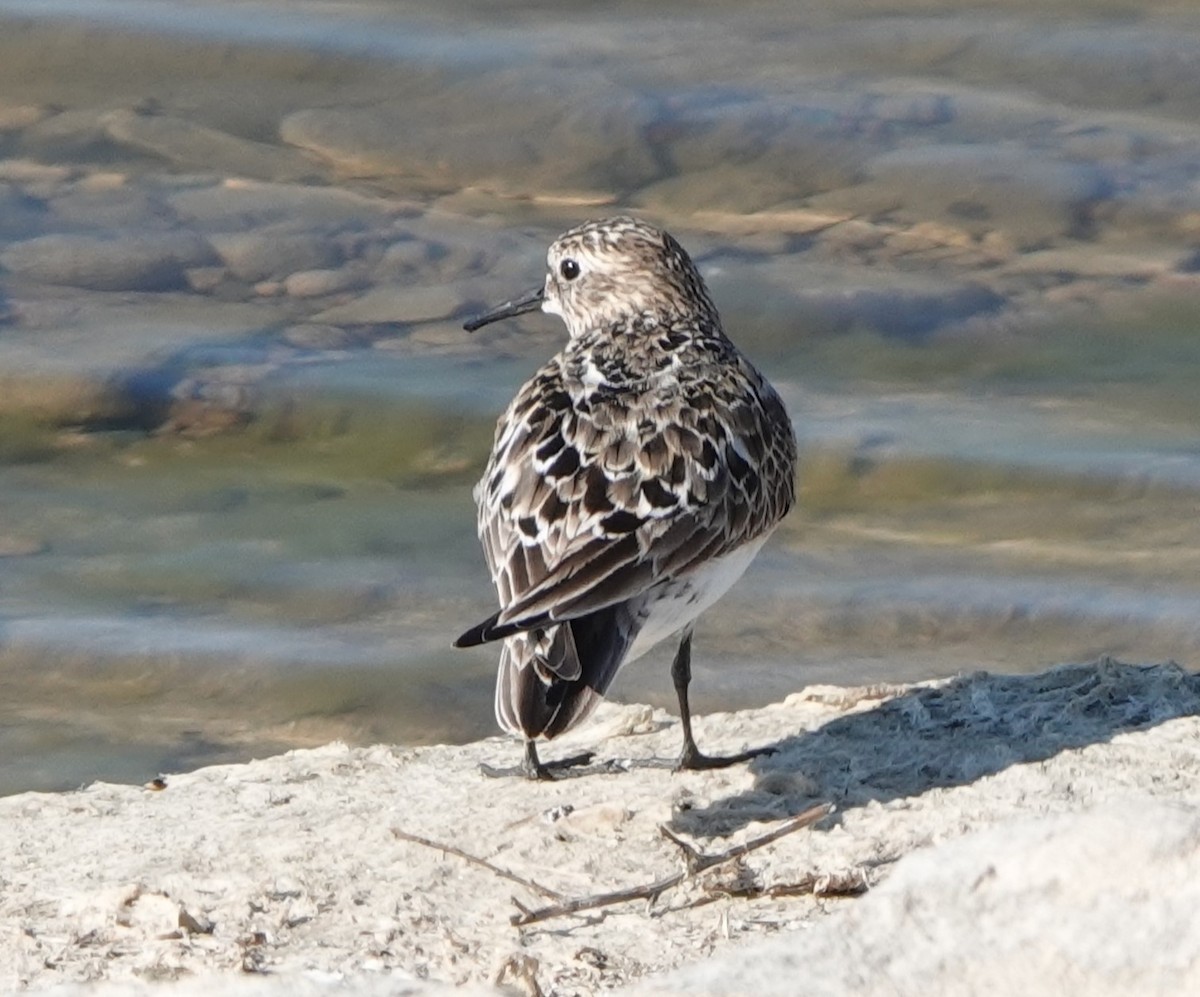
569, 269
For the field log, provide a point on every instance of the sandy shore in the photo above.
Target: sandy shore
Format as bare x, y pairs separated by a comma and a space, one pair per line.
992, 834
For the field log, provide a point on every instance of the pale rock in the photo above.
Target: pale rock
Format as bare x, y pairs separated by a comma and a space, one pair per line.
192, 146
316, 283
269, 255
14, 117
124, 262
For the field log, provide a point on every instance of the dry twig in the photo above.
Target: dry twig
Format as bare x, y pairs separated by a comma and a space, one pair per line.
529, 884
846, 884
695, 861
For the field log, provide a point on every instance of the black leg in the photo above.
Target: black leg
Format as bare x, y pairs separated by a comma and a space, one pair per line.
691, 756
532, 767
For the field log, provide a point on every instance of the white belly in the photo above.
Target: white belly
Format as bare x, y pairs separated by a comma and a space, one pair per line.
672, 605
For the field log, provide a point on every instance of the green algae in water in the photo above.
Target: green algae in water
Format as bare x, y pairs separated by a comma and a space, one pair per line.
1142, 355
833, 480
135, 521
335, 440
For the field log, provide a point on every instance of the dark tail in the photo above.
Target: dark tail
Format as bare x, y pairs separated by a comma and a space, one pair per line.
550, 680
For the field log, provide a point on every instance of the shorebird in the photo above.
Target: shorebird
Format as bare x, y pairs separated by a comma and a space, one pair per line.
632, 480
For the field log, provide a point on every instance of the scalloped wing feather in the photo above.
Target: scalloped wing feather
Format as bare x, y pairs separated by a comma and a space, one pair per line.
582, 507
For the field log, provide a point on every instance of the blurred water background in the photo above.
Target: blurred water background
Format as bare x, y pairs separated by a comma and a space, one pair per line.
239, 421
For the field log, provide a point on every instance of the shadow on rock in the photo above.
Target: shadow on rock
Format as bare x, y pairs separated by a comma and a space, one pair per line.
951, 735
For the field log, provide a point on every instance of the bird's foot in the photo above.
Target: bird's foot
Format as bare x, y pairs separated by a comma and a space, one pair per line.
691, 759
535, 769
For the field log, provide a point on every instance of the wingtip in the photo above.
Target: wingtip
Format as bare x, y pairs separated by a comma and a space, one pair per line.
491, 629
482, 633
475, 636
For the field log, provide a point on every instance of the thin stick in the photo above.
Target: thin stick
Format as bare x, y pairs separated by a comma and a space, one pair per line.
843, 885
529, 884
696, 863
577, 904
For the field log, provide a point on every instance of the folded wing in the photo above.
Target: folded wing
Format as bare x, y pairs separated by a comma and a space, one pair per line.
581, 509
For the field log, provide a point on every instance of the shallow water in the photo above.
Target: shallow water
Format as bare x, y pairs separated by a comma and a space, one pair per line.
239, 421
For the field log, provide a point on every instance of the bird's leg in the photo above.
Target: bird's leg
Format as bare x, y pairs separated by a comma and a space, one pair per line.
534, 768
691, 756
531, 765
